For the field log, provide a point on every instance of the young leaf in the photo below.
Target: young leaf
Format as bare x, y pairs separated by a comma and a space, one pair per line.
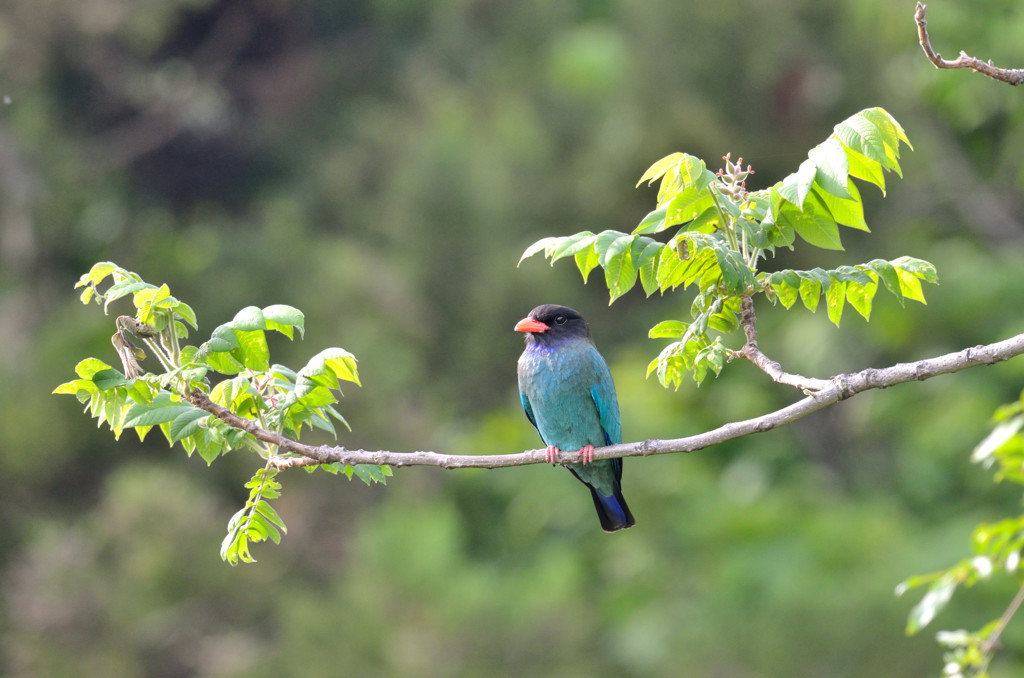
284, 318
658, 169
835, 299
572, 244
187, 423
939, 594
832, 168
654, 222
249, 319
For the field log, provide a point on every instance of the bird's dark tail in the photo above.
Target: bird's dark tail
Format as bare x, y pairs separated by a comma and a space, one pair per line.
613, 511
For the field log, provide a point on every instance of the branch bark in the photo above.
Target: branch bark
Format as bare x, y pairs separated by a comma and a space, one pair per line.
1012, 76
838, 388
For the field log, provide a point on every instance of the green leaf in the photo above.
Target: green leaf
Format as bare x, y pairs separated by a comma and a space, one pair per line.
267, 511
101, 270
164, 409
108, 379
75, 387
814, 224
572, 244
939, 594
697, 173
649, 271
892, 135
687, 205
832, 168
187, 423
707, 221
87, 368
910, 286
865, 169
124, 288
658, 169
187, 314
605, 240
668, 329
918, 267
835, 298
1003, 432
223, 339
225, 363
614, 249
249, 319
860, 295
860, 135
787, 294
281, 314
810, 293
252, 350
620, 275
370, 474
538, 246
671, 268
326, 367
654, 222
846, 212
802, 181
586, 261
891, 130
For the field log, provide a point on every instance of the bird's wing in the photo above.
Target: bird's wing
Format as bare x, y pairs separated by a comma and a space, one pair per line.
528, 409
603, 393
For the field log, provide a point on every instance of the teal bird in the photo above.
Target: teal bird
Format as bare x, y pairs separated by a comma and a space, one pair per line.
569, 397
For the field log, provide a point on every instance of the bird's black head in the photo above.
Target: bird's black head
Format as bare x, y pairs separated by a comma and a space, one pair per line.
550, 323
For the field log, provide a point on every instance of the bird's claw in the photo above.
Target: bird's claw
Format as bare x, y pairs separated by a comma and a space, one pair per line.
586, 454
551, 454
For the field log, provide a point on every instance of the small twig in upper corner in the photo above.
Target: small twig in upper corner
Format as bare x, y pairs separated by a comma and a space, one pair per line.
1012, 76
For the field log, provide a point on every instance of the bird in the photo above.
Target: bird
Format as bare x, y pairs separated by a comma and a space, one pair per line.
569, 396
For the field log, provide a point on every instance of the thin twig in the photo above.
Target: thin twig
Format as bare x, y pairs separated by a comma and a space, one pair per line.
993, 638
838, 388
1012, 76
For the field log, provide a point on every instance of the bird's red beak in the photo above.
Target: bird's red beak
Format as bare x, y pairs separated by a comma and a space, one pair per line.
530, 325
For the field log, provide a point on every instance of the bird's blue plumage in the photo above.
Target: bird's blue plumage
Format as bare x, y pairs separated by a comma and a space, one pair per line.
569, 396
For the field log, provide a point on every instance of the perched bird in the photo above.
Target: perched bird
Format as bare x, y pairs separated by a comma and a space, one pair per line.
569, 397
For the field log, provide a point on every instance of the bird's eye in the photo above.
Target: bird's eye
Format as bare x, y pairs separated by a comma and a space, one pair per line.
560, 319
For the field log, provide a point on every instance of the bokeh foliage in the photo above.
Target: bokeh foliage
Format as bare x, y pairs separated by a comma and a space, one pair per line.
382, 166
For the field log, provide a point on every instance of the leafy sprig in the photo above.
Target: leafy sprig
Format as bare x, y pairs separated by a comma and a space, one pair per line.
232, 367
721, 232
256, 521
997, 550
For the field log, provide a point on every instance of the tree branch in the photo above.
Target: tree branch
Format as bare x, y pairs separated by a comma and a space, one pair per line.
838, 388
772, 368
1012, 76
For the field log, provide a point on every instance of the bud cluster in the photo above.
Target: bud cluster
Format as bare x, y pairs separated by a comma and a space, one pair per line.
734, 178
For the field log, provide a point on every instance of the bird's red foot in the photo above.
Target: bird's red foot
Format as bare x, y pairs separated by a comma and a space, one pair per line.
586, 454
551, 453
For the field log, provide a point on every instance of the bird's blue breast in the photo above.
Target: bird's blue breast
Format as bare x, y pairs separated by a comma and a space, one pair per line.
559, 383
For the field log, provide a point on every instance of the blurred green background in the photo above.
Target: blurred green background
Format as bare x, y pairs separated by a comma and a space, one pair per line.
381, 165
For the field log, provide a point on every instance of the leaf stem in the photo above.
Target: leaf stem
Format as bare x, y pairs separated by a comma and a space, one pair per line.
727, 223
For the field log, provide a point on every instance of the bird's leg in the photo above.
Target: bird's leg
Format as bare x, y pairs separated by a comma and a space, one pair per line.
586, 454
552, 452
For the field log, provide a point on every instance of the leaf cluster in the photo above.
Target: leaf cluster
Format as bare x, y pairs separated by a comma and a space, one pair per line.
720, 232
997, 548
232, 367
